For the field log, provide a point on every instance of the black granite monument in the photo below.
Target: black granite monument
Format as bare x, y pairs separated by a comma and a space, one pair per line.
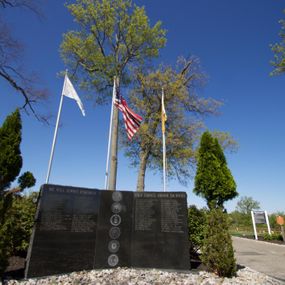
82, 229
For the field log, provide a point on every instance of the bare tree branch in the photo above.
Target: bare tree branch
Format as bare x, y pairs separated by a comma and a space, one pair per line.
31, 5
24, 91
11, 71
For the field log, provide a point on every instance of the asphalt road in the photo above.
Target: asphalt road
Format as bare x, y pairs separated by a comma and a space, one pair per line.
261, 256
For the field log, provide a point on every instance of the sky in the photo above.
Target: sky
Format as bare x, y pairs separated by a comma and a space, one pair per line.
232, 39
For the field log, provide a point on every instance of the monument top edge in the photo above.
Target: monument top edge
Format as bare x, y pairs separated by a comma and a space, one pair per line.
77, 188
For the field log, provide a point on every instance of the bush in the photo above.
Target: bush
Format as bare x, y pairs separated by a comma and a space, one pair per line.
20, 222
196, 228
4, 237
217, 251
3, 249
16, 229
273, 236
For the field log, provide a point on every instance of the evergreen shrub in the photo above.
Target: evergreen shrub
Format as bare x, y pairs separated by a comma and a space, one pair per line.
217, 251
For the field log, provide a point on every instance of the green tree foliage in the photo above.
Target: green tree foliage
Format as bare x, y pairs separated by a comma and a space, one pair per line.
111, 35
217, 251
213, 180
196, 228
239, 220
226, 141
20, 221
246, 204
279, 51
16, 230
4, 242
10, 154
26, 180
184, 110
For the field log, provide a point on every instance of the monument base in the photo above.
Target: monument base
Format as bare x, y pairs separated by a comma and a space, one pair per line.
83, 229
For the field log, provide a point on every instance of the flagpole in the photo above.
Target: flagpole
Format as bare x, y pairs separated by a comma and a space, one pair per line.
114, 145
54, 139
55, 133
164, 148
164, 162
110, 135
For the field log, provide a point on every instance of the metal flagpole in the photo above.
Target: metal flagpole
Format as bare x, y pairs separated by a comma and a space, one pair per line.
163, 143
110, 135
55, 132
164, 159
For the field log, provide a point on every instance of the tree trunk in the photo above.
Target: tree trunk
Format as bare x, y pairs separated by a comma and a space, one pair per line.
141, 175
114, 147
144, 155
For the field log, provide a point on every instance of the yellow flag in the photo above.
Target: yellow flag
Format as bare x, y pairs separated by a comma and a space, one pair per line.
163, 113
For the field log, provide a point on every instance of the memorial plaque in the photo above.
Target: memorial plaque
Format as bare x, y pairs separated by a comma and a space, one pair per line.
81, 229
160, 233
65, 231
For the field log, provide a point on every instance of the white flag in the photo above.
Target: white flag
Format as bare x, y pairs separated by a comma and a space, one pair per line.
69, 91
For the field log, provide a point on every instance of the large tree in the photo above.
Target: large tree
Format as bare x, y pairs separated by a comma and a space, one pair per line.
112, 35
184, 119
213, 181
11, 67
246, 204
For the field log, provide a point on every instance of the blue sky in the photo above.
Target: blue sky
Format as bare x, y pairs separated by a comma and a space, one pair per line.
231, 38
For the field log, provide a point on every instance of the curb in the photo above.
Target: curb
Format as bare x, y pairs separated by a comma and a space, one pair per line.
260, 241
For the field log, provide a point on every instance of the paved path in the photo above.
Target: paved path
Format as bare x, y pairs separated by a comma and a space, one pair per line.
261, 256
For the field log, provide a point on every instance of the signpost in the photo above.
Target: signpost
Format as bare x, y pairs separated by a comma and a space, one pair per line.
280, 222
259, 217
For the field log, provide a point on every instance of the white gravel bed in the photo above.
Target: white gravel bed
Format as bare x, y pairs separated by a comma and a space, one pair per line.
127, 276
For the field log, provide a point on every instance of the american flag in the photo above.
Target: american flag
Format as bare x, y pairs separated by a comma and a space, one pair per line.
131, 119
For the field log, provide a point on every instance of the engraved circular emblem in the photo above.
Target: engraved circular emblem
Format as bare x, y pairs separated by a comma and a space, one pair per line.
113, 246
117, 196
113, 260
115, 220
116, 207
114, 232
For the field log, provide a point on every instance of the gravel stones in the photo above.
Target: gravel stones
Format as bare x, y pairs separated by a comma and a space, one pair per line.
129, 276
